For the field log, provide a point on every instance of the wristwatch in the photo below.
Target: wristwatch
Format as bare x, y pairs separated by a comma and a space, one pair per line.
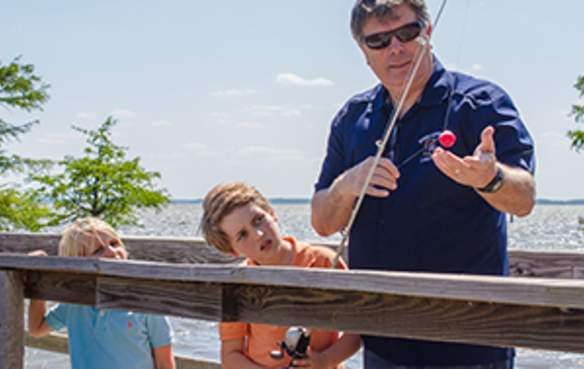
495, 183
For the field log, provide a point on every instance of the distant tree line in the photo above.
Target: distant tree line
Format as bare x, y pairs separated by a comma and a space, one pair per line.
101, 182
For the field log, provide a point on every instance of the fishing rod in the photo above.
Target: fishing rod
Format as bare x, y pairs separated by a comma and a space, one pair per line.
423, 41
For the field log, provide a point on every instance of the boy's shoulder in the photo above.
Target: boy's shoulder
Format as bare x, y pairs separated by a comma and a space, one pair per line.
312, 256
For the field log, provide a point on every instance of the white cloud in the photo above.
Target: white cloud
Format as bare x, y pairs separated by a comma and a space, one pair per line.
221, 115
296, 80
233, 92
163, 123
273, 110
476, 70
249, 125
123, 114
270, 153
197, 148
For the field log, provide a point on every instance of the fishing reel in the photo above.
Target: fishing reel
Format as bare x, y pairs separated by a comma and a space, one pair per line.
295, 344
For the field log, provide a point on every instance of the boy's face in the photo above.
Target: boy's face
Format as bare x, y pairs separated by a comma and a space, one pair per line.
101, 244
253, 233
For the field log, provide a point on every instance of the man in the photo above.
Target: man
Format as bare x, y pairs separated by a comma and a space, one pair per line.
426, 208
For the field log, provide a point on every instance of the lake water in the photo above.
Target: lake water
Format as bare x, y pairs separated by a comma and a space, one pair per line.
550, 227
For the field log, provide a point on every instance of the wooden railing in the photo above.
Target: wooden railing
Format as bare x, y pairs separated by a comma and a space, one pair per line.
544, 311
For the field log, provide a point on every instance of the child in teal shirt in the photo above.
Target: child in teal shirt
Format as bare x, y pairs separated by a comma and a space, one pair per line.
100, 338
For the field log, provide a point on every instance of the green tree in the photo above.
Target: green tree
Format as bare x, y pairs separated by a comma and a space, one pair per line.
21, 89
577, 136
102, 182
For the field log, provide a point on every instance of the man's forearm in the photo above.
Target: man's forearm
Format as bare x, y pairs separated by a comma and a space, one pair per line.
331, 210
517, 194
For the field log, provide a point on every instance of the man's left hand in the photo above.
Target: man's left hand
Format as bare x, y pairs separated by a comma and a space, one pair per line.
474, 171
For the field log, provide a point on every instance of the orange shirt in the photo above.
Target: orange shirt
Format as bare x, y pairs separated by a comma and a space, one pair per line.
263, 338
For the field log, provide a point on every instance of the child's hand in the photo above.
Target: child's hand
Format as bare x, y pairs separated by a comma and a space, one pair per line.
38, 253
313, 360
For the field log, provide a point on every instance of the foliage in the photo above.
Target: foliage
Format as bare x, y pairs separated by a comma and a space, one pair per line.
577, 136
20, 88
102, 182
21, 209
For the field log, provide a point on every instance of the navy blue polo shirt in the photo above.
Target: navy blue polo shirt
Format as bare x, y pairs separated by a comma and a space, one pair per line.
429, 223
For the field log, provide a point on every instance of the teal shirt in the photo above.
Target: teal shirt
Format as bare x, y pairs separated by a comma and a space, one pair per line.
112, 339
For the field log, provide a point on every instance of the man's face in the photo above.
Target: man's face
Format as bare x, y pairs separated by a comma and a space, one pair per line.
393, 63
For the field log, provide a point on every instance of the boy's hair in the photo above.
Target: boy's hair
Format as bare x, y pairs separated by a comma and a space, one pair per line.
76, 235
220, 202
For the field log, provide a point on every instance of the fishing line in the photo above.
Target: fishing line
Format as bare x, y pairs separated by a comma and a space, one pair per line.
423, 41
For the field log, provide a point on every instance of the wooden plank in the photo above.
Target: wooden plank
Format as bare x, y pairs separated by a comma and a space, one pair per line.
58, 343
548, 264
11, 320
195, 300
54, 342
161, 249
312, 302
75, 288
522, 291
195, 250
417, 318
373, 313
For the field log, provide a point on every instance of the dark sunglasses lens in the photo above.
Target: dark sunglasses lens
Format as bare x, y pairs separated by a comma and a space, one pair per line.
408, 33
378, 40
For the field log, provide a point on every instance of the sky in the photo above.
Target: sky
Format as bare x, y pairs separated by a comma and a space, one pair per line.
215, 91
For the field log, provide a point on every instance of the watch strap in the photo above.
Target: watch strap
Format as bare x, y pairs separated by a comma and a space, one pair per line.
495, 183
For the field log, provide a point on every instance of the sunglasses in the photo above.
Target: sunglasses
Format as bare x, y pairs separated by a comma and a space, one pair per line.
405, 33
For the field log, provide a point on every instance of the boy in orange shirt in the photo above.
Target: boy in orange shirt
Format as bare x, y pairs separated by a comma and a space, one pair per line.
238, 220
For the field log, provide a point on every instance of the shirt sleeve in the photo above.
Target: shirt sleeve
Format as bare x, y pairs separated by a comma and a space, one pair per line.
233, 330
56, 318
160, 331
334, 161
513, 143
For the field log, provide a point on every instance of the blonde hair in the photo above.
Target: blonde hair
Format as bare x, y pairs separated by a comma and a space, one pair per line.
74, 238
220, 202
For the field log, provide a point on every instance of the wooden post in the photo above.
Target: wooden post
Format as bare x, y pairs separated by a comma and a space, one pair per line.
11, 320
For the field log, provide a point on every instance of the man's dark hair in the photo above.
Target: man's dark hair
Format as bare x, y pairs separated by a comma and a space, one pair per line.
382, 9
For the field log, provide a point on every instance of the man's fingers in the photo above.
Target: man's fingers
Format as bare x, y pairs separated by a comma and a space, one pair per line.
449, 163
376, 192
387, 165
487, 144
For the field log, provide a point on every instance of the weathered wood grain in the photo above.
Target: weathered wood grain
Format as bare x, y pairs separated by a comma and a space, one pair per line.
71, 287
167, 249
562, 293
195, 250
417, 318
380, 314
193, 300
58, 343
11, 320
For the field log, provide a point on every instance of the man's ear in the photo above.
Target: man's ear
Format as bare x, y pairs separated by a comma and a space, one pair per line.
362, 48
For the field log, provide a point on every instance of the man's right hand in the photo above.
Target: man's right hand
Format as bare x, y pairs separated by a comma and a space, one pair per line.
332, 207
383, 181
